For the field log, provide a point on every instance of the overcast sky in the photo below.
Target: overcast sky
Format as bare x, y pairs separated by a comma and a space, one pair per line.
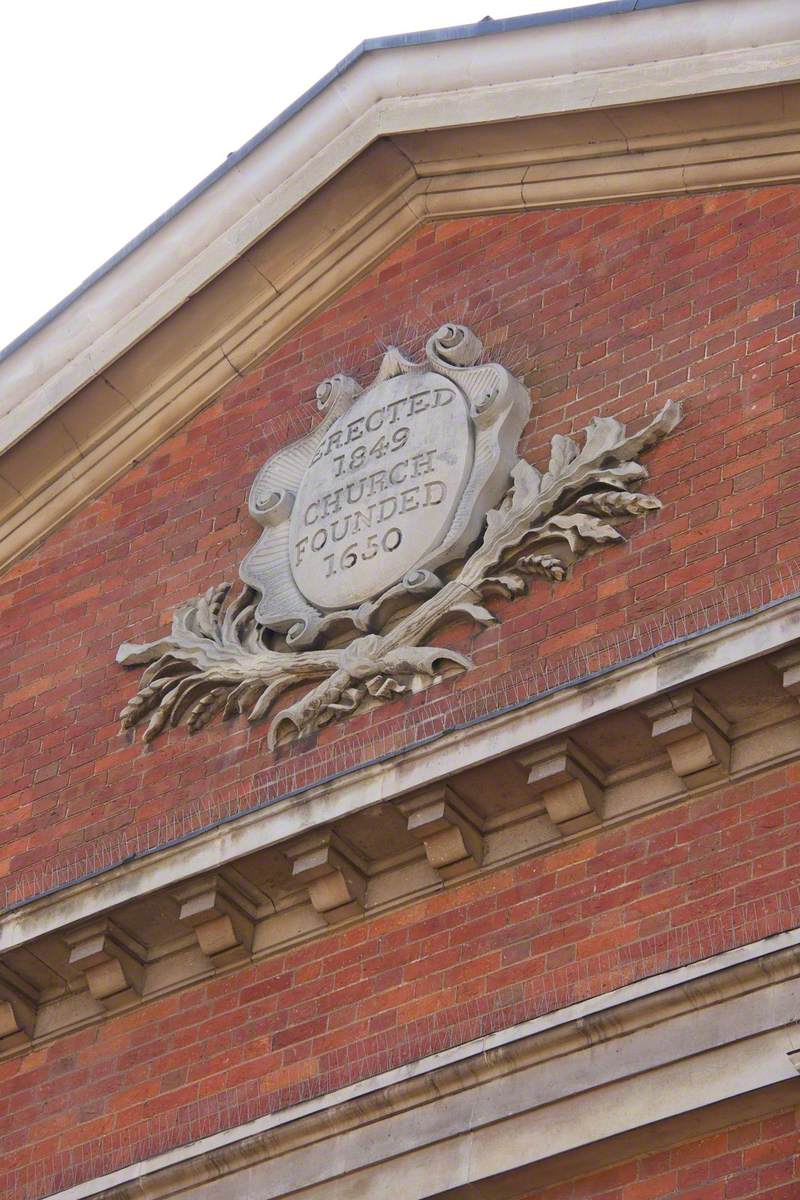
113, 109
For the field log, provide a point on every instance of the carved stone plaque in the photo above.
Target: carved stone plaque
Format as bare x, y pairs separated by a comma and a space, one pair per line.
380, 492
405, 506
393, 484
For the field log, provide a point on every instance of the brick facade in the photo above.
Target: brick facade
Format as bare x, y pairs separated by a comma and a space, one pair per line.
608, 310
665, 890
758, 1159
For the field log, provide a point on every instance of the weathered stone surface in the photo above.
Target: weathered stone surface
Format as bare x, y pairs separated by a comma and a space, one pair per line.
787, 663
17, 1013
448, 830
381, 490
113, 974
212, 908
568, 781
336, 884
693, 733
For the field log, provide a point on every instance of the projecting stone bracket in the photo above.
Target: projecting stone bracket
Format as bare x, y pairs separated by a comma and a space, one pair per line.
114, 975
216, 911
693, 733
447, 828
463, 806
792, 1055
787, 664
17, 1013
569, 783
336, 883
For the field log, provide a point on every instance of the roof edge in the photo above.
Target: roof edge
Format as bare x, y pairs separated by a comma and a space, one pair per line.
486, 27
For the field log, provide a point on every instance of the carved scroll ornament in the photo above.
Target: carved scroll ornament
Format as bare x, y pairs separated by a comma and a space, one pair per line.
405, 507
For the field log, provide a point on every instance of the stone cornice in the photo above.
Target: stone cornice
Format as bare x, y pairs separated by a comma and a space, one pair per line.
266, 248
720, 1031
690, 660
281, 875
762, 634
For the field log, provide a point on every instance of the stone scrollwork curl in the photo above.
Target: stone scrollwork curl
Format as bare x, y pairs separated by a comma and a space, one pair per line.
454, 344
508, 524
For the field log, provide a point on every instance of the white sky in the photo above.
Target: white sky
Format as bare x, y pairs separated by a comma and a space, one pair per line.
113, 109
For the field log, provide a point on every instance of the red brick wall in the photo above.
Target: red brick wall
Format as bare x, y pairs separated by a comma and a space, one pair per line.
759, 1159
628, 902
608, 309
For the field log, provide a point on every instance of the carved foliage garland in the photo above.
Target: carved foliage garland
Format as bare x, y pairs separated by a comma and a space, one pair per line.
223, 656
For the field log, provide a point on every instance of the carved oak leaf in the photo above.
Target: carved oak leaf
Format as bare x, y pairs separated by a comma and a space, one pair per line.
475, 611
618, 477
577, 528
563, 452
507, 585
605, 457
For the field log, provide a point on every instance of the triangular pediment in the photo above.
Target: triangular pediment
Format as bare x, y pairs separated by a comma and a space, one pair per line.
493, 118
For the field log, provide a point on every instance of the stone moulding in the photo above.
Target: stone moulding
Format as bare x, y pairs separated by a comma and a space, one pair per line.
769, 632
502, 792
81, 425
678, 1055
528, 524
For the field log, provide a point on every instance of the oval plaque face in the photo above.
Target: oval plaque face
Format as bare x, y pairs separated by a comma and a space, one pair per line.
380, 493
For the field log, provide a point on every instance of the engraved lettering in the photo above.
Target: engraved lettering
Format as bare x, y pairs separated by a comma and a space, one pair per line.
398, 472
339, 529
355, 429
387, 508
377, 483
435, 492
331, 503
380, 490
362, 519
409, 499
423, 462
394, 409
